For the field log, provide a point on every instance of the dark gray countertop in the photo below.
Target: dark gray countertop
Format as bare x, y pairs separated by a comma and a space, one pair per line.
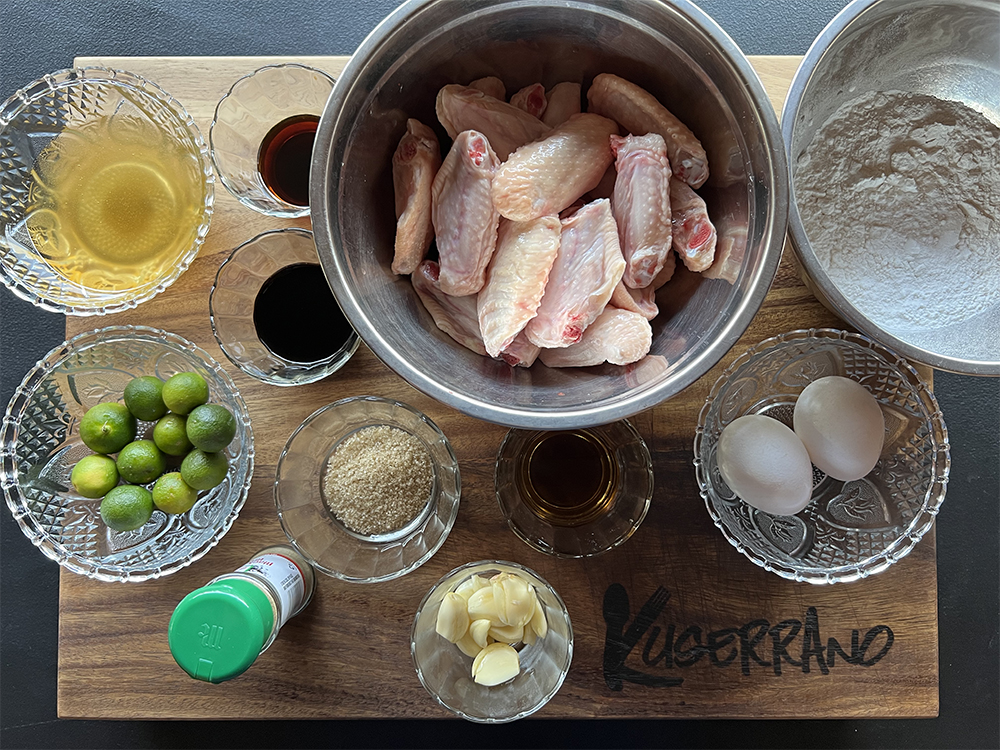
39, 36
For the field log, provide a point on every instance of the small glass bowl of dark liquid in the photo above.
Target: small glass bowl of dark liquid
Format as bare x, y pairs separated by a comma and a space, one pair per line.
262, 137
574, 493
273, 313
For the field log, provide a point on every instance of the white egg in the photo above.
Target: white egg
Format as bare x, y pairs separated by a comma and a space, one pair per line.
841, 425
765, 463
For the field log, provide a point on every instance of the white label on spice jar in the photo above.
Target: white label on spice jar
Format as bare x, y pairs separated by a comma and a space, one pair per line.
286, 578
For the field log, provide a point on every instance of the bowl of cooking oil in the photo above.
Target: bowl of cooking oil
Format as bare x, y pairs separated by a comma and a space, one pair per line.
106, 191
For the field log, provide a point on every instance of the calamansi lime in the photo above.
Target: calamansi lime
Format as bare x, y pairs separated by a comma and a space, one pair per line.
94, 476
140, 462
127, 507
144, 398
170, 435
172, 494
184, 391
202, 470
211, 427
107, 428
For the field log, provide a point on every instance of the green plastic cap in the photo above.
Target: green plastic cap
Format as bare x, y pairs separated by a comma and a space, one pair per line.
217, 631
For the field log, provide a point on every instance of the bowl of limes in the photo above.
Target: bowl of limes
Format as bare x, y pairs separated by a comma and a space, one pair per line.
126, 453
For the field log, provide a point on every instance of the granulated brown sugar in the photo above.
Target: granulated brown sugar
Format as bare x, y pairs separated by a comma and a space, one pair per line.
378, 479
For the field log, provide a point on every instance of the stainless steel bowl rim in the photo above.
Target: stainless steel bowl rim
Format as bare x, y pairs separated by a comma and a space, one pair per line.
620, 408
796, 229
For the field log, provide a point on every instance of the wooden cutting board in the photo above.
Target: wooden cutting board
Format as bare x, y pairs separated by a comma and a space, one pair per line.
347, 655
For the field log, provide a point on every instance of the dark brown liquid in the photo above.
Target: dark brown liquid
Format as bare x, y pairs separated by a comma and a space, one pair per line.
284, 158
297, 317
567, 478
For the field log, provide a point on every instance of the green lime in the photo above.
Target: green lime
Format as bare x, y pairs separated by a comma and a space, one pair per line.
144, 398
170, 435
172, 494
211, 427
94, 476
141, 462
202, 470
107, 428
127, 507
184, 391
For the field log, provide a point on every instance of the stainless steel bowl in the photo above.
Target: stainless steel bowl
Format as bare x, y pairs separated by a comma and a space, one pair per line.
672, 49
949, 49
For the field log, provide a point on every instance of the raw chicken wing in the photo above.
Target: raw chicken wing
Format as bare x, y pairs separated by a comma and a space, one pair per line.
563, 102
456, 316
465, 220
606, 187
521, 352
504, 125
694, 234
531, 99
414, 165
642, 301
516, 279
491, 86
642, 205
639, 112
617, 336
544, 177
588, 266
666, 273
729, 254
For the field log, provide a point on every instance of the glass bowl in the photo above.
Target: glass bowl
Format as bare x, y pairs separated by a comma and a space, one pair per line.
36, 258
317, 533
40, 443
446, 672
244, 116
850, 530
231, 306
597, 527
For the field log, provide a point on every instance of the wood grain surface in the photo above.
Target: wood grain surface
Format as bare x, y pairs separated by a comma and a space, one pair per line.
347, 655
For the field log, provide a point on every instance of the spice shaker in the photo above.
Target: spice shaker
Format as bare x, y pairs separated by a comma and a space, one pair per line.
217, 631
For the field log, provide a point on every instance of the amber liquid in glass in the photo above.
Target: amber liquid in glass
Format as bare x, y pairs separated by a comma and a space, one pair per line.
284, 158
567, 478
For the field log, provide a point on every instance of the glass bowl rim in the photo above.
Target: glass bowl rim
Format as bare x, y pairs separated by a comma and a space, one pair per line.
569, 641
940, 469
448, 521
119, 79
288, 210
315, 370
8, 465
563, 555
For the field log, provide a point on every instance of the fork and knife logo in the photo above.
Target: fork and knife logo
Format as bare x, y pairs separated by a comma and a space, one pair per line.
619, 641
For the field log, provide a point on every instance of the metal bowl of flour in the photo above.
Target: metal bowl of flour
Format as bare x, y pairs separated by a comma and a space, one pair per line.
942, 309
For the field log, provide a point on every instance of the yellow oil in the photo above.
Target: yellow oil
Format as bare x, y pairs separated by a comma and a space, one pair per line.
115, 203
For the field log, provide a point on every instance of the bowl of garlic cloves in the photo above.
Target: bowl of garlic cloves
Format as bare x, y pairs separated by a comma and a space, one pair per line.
492, 642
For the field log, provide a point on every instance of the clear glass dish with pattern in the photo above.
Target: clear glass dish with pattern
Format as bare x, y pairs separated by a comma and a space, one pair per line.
850, 530
40, 443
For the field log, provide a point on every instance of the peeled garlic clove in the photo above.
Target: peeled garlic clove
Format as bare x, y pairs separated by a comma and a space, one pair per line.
479, 630
507, 633
453, 618
529, 636
482, 606
518, 598
538, 622
468, 646
495, 664
470, 586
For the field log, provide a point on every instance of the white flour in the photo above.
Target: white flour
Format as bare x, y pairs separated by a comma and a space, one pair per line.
900, 197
